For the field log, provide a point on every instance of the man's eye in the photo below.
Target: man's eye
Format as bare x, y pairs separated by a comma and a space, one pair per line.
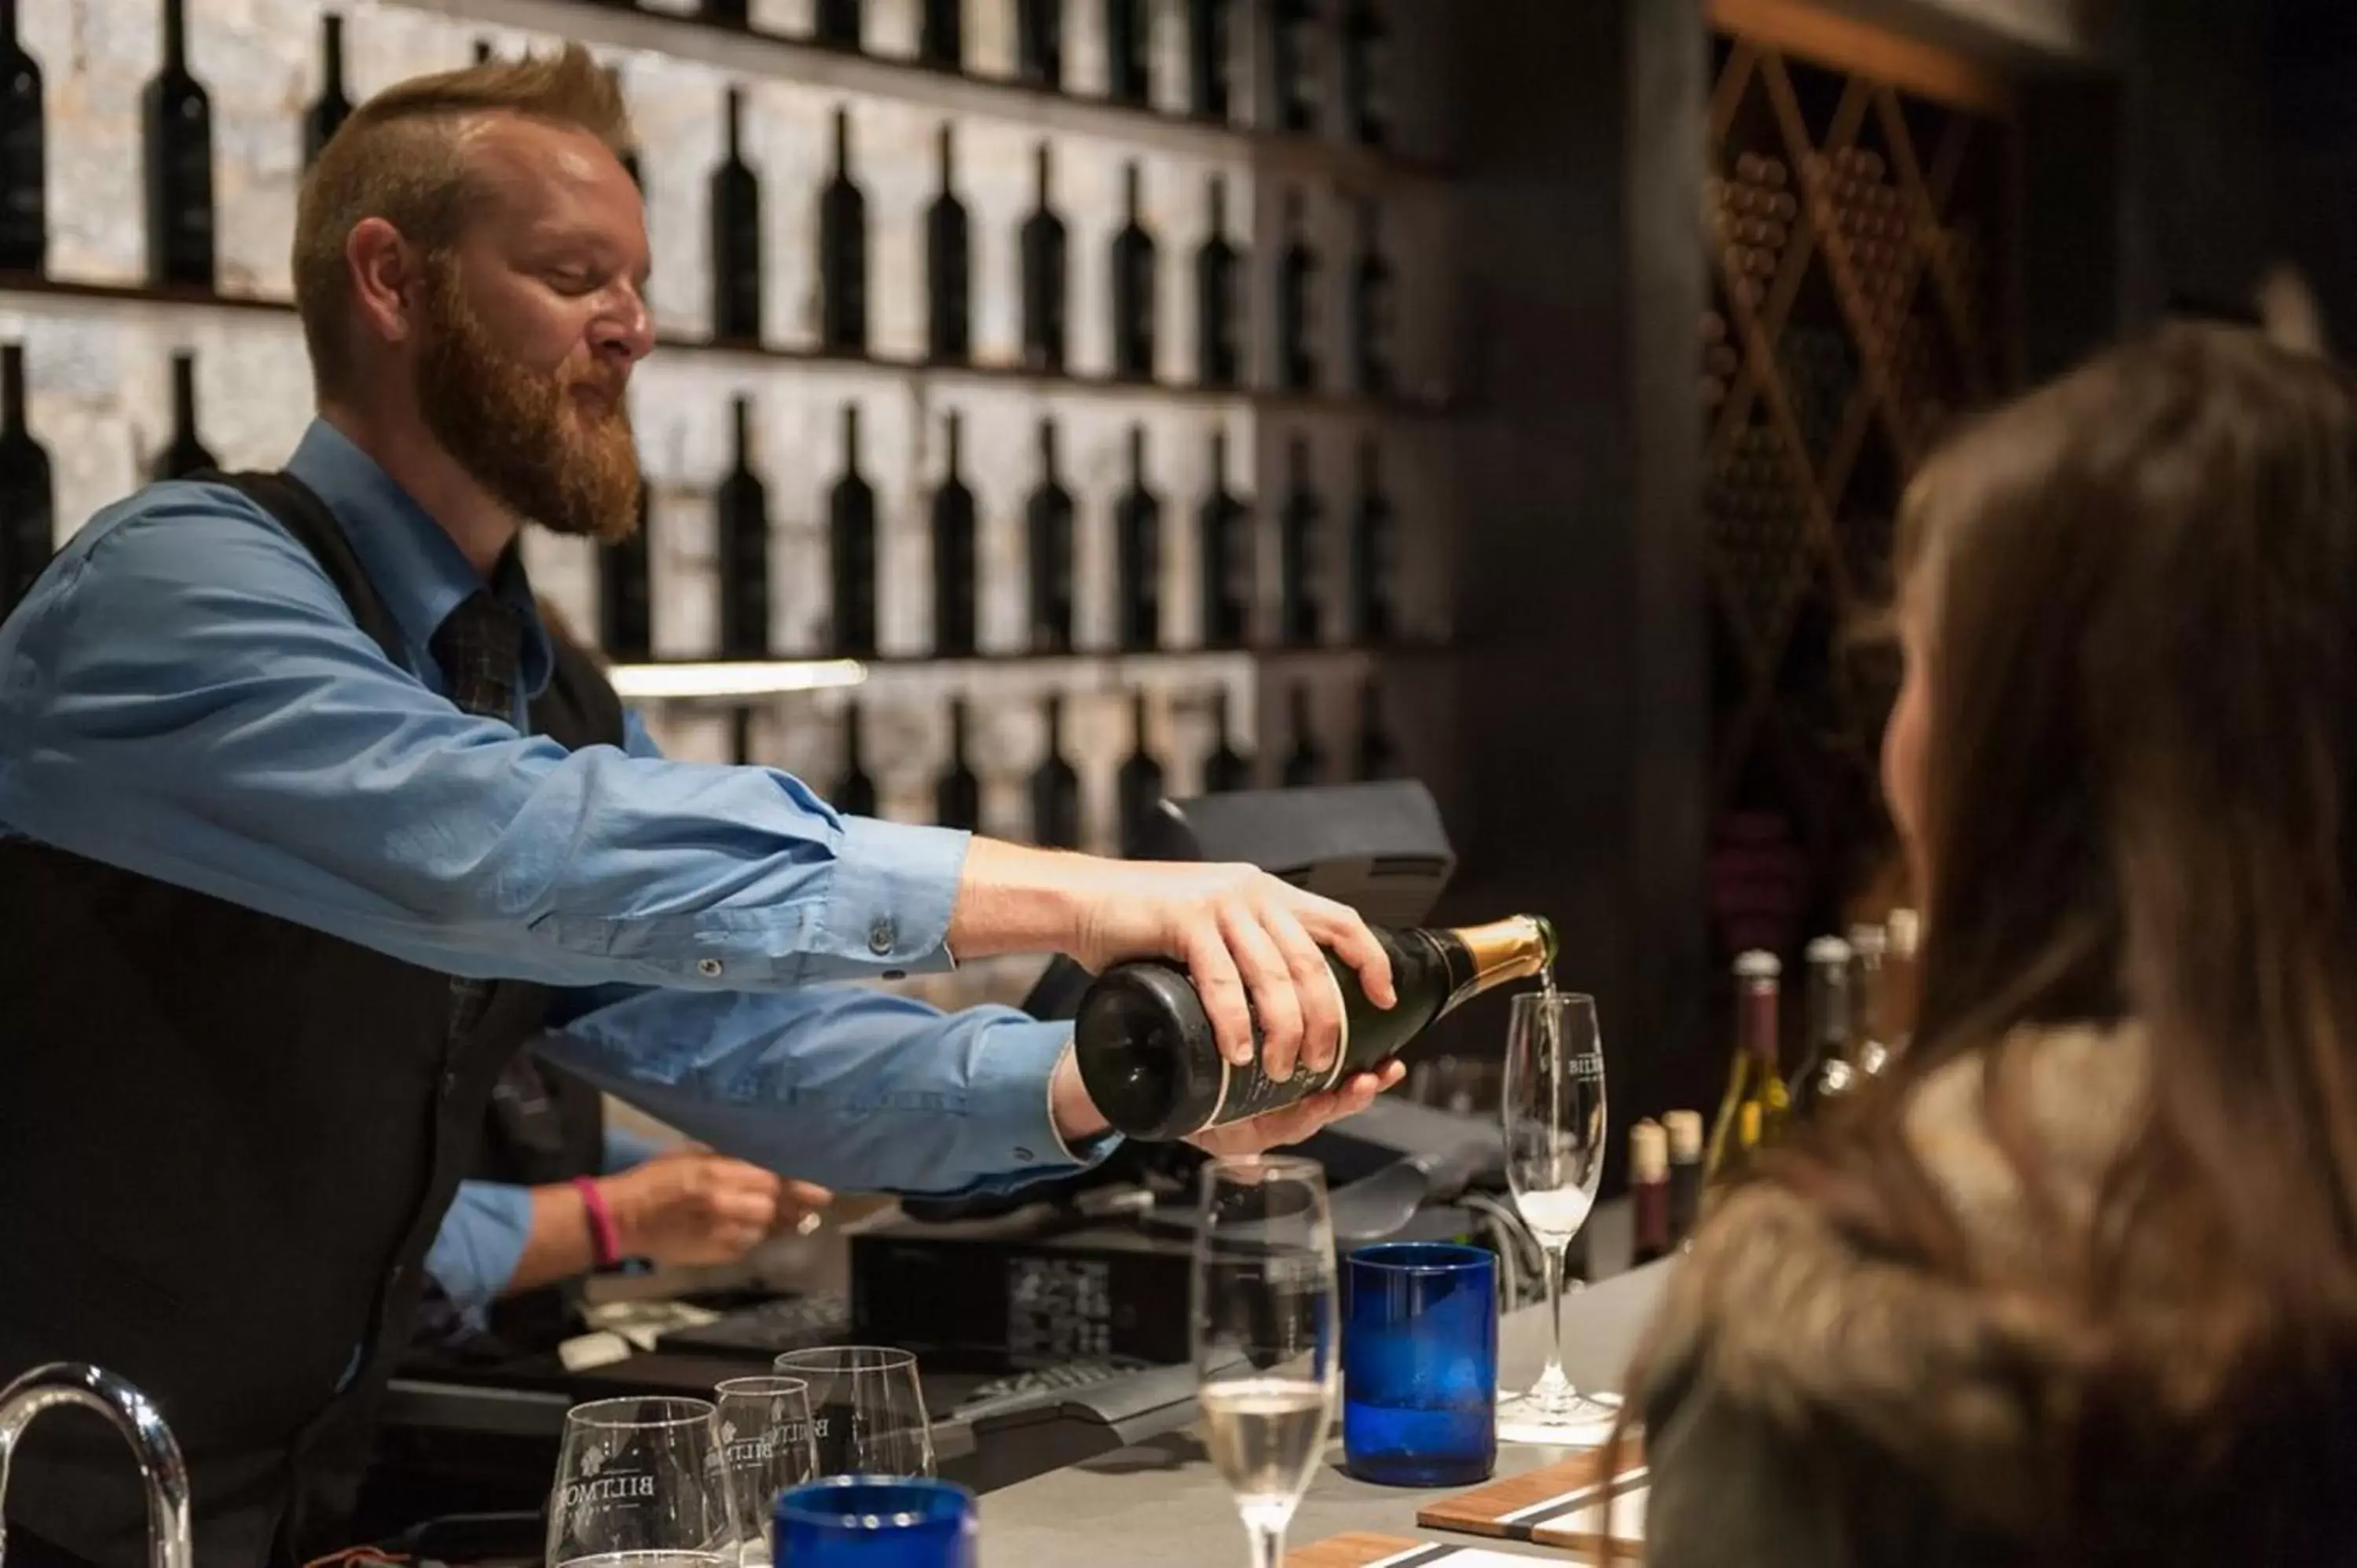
572, 281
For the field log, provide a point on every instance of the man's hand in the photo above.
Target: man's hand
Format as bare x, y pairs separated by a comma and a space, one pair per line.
1252, 943
1078, 1120
689, 1205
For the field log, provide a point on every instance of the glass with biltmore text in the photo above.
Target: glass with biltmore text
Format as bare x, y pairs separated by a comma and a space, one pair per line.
639, 1485
766, 1446
867, 1408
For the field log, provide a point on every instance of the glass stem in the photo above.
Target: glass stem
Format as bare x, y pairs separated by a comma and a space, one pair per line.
1553, 1389
1267, 1545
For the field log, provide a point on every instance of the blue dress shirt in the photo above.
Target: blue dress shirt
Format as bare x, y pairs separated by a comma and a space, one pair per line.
185, 694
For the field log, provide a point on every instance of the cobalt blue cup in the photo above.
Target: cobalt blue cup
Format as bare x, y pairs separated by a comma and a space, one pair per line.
1420, 1364
867, 1522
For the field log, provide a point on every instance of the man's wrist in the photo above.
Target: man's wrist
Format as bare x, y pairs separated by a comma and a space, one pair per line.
1076, 1116
1014, 899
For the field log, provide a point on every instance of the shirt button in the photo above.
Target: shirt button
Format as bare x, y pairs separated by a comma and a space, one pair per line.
896, 974
881, 935
708, 967
1023, 1156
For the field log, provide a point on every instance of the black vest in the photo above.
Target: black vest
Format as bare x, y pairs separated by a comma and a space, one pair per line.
226, 1141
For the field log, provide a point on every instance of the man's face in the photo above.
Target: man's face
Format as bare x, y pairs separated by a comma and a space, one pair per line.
530, 326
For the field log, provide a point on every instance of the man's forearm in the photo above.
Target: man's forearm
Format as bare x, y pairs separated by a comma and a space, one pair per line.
559, 1245
1014, 899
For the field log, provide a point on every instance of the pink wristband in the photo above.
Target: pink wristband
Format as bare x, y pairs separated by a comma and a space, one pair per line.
602, 1232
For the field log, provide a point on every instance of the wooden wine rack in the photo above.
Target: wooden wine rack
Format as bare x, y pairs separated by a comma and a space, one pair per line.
1859, 210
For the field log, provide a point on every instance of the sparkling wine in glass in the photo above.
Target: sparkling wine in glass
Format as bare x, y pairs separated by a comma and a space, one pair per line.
1554, 1123
1267, 1354
640, 1485
868, 1410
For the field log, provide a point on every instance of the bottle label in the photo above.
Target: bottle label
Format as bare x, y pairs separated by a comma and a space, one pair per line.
1247, 1091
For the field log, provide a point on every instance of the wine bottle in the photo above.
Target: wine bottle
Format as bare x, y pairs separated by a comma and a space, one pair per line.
843, 252
1299, 556
1375, 547
1210, 58
1296, 60
1043, 281
1872, 1034
1378, 754
741, 750
940, 40
727, 13
1146, 1054
1132, 288
1227, 544
1047, 551
736, 238
1139, 784
1372, 307
331, 108
1219, 276
957, 793
1649, 1191
1226, 769
955, 562
837, 23
28, 496
628, 154
854, 791
626, 591
1129, 52
851, 538
1137, 551
1684, 1131
186, 454
949, 267
1756, 1106
1304, 765
482, 51
1366, 73
1296, 302
179, 121
1055, 788
23, 179
742, 515
1039, 43
1825, 1072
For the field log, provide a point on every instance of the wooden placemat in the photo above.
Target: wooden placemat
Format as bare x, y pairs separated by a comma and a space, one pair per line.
1365, 1550
1571, 1503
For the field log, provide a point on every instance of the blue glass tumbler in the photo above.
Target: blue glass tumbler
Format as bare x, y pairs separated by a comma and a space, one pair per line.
869, 1521
1420, 1364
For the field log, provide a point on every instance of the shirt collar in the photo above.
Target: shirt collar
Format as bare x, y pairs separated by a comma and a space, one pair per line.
416, 568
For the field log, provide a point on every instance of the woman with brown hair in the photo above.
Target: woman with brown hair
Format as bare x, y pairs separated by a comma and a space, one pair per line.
2079, 1283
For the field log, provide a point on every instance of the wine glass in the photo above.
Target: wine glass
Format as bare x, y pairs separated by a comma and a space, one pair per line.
766, 1446
868, 1410
639, 1485
1554, 1111
1263, 1317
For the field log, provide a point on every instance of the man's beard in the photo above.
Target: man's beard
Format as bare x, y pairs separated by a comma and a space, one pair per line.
544, 452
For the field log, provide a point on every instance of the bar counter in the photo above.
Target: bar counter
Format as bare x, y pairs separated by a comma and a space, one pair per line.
1160, 1503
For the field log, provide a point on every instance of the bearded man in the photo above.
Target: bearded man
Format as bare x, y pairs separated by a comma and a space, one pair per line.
307, 825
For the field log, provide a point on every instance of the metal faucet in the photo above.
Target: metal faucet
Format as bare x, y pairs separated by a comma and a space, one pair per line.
160, 1465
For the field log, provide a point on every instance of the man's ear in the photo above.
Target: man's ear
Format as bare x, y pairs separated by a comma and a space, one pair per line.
386, 273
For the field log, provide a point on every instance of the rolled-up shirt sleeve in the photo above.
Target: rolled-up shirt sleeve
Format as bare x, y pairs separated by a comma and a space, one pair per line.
474, 1255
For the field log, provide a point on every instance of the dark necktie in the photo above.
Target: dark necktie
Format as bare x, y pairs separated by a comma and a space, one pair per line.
478, 646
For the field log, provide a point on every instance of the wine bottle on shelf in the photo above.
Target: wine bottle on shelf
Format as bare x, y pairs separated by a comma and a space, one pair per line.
1296, 302
727, 13
941, 39
741, 508
741, 750
1139, 784
1210, 58
851, 541
1374, 308
482, 51
1227, 544
626, 591
1047, 552
957, 793
1366, 73
955, 562
843, 252
1055, 788
949, 267
1304, 765
836, 25
1039, 44
1375, 548
1825, 1072
854, 791
1295, 57
1756, 1106
1218, 279
1378, 753
28, 496
24, 177
1299, 556
179, 121
1137, 550
1132, 288
1226, 769
1873, 1016
1649, 1191
1129, 52
1683, 1129
331, 108
1145, 1051
736, 238
1043, 281
186, 454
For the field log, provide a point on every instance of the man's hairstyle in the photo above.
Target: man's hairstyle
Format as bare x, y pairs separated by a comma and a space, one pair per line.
402, 157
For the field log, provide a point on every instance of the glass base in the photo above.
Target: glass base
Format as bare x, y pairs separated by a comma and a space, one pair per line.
1574, 1420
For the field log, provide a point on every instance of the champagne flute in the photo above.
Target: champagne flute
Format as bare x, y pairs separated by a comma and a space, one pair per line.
640, 1485
1554, 1111
1266, 1352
